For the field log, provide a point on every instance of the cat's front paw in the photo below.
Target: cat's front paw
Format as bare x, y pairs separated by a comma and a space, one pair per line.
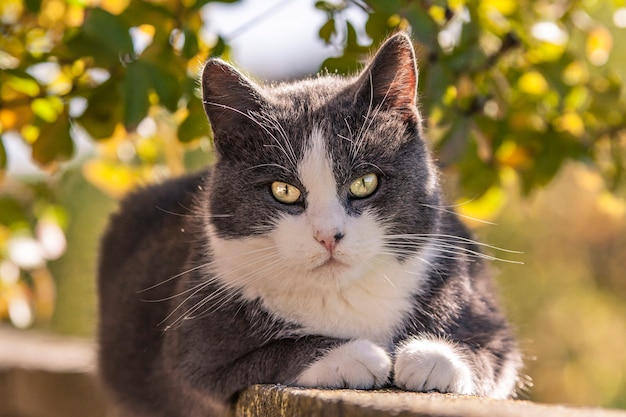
427, 364
358, 364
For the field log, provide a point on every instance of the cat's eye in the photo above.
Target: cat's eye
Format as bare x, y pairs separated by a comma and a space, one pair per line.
285, 193
364, 186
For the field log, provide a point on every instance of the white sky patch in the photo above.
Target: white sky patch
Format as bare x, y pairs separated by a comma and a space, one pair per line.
45, 72
276, 39
549, 32
619, 17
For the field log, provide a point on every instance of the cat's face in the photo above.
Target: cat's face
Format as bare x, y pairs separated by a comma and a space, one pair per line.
320, 184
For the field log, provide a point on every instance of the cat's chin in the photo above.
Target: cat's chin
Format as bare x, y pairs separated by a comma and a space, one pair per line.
335, 273
332, 265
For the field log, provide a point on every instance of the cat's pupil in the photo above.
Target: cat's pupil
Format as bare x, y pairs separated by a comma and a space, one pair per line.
364, 186
285, 193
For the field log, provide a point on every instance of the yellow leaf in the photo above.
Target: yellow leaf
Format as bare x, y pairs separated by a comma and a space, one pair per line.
48, 108
113, 6
509, 154
598, 46
23, 85
15, 118
148, 149
438, 13
571, 123
576, 73
30, 133
483, 209
114, 179
611, 205
11, 11
52, 11
75, 16
505, 7
533, 83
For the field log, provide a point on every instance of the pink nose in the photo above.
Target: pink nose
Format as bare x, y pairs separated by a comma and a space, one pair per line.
329, 240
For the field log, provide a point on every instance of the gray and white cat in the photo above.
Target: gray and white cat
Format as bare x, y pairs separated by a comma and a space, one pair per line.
316, 252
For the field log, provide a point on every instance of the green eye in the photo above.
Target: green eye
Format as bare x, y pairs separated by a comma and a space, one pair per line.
285, 193
364, 186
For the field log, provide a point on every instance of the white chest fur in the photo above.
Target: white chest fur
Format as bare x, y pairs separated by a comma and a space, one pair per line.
357, 290
371, 304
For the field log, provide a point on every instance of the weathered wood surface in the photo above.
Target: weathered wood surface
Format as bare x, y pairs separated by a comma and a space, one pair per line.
51, 376
280, 401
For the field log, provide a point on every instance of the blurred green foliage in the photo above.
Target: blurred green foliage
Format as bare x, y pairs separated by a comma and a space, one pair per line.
511, 92
568, 300
521, 85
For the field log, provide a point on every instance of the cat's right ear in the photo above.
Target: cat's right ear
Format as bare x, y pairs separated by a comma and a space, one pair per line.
229, 98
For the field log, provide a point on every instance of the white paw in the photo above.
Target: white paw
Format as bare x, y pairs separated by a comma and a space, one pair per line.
357, 364
432, 365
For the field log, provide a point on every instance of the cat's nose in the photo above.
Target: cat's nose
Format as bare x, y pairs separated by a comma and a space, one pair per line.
329, 240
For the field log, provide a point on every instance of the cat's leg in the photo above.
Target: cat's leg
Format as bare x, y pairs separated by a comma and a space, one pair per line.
358, 364
309, 361
430, 363
433, 364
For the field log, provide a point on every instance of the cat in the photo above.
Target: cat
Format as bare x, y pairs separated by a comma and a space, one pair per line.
315, 252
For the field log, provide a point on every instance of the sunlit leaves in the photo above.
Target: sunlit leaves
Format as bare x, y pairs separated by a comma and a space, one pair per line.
54, 142
31, 234
195, 125
118, 58
108, 35
135, 88
103, 111
598, 46
3, 158
507, 85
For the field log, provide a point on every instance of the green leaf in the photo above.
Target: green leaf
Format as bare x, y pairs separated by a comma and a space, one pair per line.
23, 82
454, 143
196, 124
135, 87
437, 81
54, 141
190, 47
327, 30
164, 71
377, 26
220, 47
329, 7
475, 175
151, 13
3, 155
388, 6
103, 110
109, 32
424, 27
33, 6
47, 108
166, 84
11, 212
200, 3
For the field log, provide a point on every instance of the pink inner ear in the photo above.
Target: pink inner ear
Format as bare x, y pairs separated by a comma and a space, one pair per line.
403, 86
392, 77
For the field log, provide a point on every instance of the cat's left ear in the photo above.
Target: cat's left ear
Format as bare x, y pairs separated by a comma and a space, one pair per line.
229, 98
390, 80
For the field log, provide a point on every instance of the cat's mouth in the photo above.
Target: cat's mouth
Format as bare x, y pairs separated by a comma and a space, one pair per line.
331, 263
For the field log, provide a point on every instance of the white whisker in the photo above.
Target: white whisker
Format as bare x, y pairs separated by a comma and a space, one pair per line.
459, 214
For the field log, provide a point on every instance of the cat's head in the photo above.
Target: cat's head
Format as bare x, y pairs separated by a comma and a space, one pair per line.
320, 181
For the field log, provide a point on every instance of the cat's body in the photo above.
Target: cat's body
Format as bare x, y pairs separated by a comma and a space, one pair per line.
315, 252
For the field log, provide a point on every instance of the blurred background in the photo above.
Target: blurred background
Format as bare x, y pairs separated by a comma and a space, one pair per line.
525, 108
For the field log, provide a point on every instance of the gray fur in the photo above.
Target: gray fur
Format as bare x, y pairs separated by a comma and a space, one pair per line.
169, 347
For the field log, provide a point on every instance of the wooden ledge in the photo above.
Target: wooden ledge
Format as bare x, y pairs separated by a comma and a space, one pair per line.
52, 376
282, 401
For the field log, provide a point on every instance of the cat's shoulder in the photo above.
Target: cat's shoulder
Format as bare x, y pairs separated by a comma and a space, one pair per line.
153, 209
176, 193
